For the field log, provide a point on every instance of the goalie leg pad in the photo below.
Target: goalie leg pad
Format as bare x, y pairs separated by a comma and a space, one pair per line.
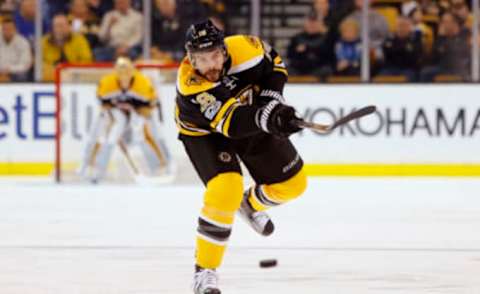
154, 135
91, 146
101, 161
114, 130
117, 126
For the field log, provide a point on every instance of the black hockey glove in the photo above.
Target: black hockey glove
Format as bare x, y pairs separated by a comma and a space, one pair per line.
278, 119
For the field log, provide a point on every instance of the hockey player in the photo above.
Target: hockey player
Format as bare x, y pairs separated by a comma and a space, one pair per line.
129, 103
229, 108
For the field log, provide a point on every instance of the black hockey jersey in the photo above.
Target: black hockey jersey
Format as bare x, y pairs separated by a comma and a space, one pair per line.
253, 75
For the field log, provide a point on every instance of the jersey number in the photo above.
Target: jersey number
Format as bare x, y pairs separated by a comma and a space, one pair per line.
209, 105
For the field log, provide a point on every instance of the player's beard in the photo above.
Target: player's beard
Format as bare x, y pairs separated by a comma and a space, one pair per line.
213, 75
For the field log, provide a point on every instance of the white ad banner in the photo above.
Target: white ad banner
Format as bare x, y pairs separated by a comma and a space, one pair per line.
414, 124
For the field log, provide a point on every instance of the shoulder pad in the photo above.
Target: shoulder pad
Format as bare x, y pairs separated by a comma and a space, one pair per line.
245, 52
189, 83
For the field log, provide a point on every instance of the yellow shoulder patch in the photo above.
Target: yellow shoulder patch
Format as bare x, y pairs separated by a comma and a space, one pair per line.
108, 84
245, 51
143, 86
189, 83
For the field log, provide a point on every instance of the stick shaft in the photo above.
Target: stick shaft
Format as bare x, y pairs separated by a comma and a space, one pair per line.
125, 152
321, 128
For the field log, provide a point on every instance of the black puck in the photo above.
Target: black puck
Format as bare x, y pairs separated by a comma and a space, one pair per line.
268, 263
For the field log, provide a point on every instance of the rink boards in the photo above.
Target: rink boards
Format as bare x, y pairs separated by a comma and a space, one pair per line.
417, 130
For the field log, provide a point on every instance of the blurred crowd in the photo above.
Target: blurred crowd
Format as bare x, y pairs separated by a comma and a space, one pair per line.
84, 31
415, 41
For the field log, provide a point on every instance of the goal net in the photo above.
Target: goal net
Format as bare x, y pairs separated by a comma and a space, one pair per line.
78, 107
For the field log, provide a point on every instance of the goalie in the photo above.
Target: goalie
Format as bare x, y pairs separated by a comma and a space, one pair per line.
130, 116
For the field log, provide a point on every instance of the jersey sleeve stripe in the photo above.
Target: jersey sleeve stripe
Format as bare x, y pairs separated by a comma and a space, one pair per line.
245, 65
282, 70
188, 130
221, 113
228, 119
278, 61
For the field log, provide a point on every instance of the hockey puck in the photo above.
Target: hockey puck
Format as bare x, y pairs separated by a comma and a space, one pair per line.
268, 263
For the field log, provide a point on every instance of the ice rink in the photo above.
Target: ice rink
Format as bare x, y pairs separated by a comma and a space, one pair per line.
345, 236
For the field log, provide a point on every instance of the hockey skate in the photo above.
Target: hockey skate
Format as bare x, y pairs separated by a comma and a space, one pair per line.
205, 282
259, 220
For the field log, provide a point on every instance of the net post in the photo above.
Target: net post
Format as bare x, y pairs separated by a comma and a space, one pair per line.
58, 118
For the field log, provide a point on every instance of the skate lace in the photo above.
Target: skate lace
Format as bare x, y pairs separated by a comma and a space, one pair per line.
260, 217
208, 278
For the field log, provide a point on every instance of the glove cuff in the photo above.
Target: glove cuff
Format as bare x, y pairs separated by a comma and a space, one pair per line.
267, 93
263, 115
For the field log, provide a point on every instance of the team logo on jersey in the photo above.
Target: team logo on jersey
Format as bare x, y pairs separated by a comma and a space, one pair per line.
209, 105
253, 41
230, 82
246, 96
225, 157
193, 80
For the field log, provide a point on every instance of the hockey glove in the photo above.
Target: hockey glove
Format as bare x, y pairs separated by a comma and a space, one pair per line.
278, 119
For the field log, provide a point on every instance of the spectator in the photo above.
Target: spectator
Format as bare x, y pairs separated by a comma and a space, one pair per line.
311, 52
8, 5
121, 32
339, 10
461, 10
15, 53
433, 8
61, 45
215, 7
326, 17
451, 52
348, 49
100, 7
50, 8
25, 19
167, 25
402, 51
84, 22
413, 11
323, 12
378, 27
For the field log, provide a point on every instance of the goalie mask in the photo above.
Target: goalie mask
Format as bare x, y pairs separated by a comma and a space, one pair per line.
125, 71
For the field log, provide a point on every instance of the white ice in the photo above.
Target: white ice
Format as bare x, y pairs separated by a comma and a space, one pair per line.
344, 236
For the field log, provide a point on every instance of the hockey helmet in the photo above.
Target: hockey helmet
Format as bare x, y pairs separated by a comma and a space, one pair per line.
125, 70
203, 36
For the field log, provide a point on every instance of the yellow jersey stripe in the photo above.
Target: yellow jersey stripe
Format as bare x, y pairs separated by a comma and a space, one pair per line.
221, 113
228, 120
282, 70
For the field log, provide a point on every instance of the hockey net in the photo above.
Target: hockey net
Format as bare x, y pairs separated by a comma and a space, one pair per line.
77, 107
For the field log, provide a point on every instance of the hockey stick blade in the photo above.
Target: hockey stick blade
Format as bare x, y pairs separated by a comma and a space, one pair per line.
328, 128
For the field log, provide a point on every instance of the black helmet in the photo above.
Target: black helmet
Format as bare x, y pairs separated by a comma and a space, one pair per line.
203, 36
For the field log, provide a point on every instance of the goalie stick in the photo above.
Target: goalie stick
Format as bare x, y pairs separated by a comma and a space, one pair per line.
130, 161
322, 128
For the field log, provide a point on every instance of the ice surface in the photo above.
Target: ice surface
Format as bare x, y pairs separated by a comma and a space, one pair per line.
345, 235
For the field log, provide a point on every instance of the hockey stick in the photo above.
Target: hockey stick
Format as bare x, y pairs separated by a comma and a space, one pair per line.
343, 120
138, 176
125, 152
